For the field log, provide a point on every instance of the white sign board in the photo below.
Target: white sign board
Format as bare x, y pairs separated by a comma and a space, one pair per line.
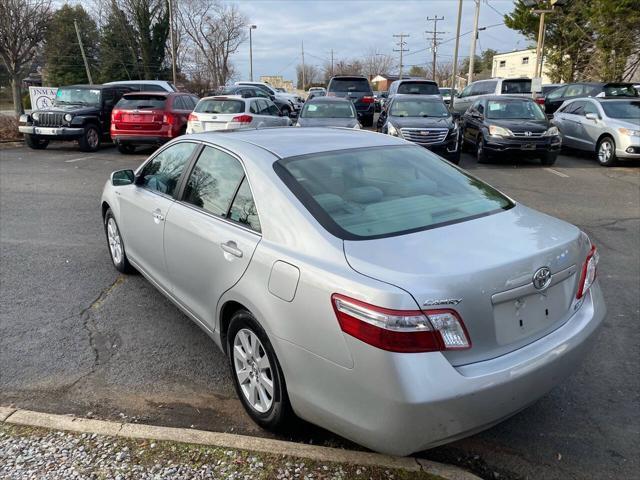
536, 84
42, 97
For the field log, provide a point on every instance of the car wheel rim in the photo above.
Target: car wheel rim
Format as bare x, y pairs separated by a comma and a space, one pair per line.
480, 149
115, 243
253, 370
92, 138
605, 152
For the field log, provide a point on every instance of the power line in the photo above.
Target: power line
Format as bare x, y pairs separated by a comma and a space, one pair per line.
401, 43
494, 9
435, 41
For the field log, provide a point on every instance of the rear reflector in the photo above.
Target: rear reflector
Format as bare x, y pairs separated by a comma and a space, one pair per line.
588, 275
367, 99
406, 331
242, 119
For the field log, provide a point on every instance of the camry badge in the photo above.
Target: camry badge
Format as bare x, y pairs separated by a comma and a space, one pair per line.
442, 301
542, 278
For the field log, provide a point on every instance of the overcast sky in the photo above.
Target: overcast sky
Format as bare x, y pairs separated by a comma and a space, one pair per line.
350, 27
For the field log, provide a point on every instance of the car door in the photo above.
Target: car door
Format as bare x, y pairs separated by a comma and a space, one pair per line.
589, 130
571, 125
472, 122
210, 233
145, 204
464, 101
276, 119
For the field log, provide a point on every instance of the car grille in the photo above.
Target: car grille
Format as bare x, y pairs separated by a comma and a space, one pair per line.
531, 134
424, 135
50, 119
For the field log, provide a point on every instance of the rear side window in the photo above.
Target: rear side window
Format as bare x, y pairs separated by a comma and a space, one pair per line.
575, 108
385, 191
163, 171
620, 91
243, 209
220, 106
419, 88
349, 85
141, 102
151, 87
556, 93
574, 90
516, 86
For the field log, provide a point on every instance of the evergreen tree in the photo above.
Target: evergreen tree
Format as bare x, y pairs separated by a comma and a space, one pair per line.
118, 53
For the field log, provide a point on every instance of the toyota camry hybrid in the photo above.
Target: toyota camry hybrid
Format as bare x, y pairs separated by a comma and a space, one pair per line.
359, 281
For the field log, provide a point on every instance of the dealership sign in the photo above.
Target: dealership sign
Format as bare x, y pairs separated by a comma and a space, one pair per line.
42, 97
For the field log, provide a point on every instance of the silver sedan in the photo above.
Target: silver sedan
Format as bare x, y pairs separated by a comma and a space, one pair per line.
359, 281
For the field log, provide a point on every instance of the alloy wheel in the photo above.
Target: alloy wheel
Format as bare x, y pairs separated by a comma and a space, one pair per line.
605, 152
253, 370
92, 138
115, 242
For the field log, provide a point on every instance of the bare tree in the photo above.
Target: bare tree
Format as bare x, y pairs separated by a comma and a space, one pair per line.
375, 63
215, 31
23, 25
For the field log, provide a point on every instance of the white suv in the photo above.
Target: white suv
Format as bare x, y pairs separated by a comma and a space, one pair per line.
491, 86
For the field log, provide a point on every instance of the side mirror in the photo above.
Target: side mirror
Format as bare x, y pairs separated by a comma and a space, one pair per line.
272, 97
591, 116
476, 115
122, 177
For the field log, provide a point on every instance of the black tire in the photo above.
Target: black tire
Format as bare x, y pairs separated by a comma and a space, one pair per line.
549, 158
454, 157
126, 149
35, 142
286, 112
90, 139
481, 153
279, 414
606, 152
120, 262
367, 121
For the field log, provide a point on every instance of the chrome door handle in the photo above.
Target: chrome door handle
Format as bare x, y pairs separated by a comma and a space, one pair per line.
232, 248
157, 216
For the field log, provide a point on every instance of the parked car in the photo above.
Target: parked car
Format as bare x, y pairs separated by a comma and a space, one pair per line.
358, 90
246, 91
150, 118
359, 280
445, 93
295, 100
413, 86
381, 100
501, 124
146, 85
316, 94
610, 128
424, 120
493, 86
233, 112
328, 112
557, 97
546, 89
316, 89
79, 113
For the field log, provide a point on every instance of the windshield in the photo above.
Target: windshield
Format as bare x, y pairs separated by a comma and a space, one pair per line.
77, 96
617, 109
328, 110
384, 191
350, 85
620, 91
516, 86
419, 88
140, 102
418, 108
514, 109
219, 106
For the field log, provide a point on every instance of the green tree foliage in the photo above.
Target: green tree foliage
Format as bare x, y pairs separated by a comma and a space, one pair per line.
150, 21
416, 71
64, 64
487, 59
118, 57
478, 65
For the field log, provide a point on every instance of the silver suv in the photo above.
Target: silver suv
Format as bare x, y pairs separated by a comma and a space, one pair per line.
492, 86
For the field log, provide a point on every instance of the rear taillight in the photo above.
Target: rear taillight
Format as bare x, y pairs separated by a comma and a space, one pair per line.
588, 275
192, 117
406, 331
116, 116
242, 119
169, 119
539, 100
367, 99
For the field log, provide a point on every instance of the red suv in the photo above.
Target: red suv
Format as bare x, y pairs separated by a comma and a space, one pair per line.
150, 118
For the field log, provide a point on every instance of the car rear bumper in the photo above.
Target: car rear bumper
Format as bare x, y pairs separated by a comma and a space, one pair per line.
537, 145
138, 139
53, 133
402, 403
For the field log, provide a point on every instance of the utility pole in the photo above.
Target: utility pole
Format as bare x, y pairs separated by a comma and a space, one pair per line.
455, 53
472, 54
251, 27
540, 44
332, 62
401, 43
303, 79
435, 41
84, 57
173, 44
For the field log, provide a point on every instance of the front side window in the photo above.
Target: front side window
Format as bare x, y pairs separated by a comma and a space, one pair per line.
589, 107
163, 171
466, 91
328, 110
557, 93
213, 181
514, 109
377, 192
622, 90
418, 108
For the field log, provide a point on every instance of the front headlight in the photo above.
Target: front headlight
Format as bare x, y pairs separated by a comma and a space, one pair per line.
496, 131
35, 115
391, 130
553, 131
629, 132
68, 117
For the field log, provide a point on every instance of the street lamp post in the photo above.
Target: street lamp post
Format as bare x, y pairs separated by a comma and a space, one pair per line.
251, 27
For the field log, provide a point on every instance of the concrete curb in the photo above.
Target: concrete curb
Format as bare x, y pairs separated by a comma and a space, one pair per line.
228, 440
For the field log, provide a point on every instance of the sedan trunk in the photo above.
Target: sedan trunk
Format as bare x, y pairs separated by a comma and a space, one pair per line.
483, 269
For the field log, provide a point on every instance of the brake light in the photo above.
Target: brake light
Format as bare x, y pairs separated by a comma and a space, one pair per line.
406, 331
192, 117
539, 100
169, 119
588, 275
116, 116
367, 100
242, 119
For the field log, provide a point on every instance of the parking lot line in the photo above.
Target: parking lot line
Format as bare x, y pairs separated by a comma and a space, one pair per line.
79, 159
556, 172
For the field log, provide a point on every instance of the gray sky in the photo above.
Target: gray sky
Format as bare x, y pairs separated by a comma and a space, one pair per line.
350, 27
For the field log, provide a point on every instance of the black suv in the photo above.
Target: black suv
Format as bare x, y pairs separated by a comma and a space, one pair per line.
358, 90
556, 97
79, 112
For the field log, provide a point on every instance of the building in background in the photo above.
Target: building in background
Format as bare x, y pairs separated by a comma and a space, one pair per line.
277, 81
381, 83
520, 63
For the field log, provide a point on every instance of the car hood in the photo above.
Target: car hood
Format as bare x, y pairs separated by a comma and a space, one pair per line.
517, 126
421, 122
327, 122
630, 123
75, 109
474, 260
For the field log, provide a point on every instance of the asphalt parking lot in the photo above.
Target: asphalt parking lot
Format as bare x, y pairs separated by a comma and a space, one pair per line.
77, 337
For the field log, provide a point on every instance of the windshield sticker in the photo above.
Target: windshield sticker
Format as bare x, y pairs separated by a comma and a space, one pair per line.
494, 106
313, 108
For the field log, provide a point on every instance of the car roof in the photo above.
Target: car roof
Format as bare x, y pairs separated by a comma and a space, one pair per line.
506, 97
326, 99
163, 94
89, 87
291, 142
412, 96
225, 97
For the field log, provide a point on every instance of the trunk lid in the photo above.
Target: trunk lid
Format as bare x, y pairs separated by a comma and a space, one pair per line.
488, 265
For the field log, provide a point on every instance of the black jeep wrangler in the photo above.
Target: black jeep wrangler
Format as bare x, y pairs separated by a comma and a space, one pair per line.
79, 112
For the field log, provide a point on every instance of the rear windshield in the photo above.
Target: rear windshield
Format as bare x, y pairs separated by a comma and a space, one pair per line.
419, 88
620, 91
516, 86
350, 85
514, 109
379, 192
140, 102
414, 107
328, 110
622, 109
220, 106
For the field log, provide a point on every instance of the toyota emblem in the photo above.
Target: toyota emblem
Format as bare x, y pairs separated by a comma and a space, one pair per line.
542, 278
